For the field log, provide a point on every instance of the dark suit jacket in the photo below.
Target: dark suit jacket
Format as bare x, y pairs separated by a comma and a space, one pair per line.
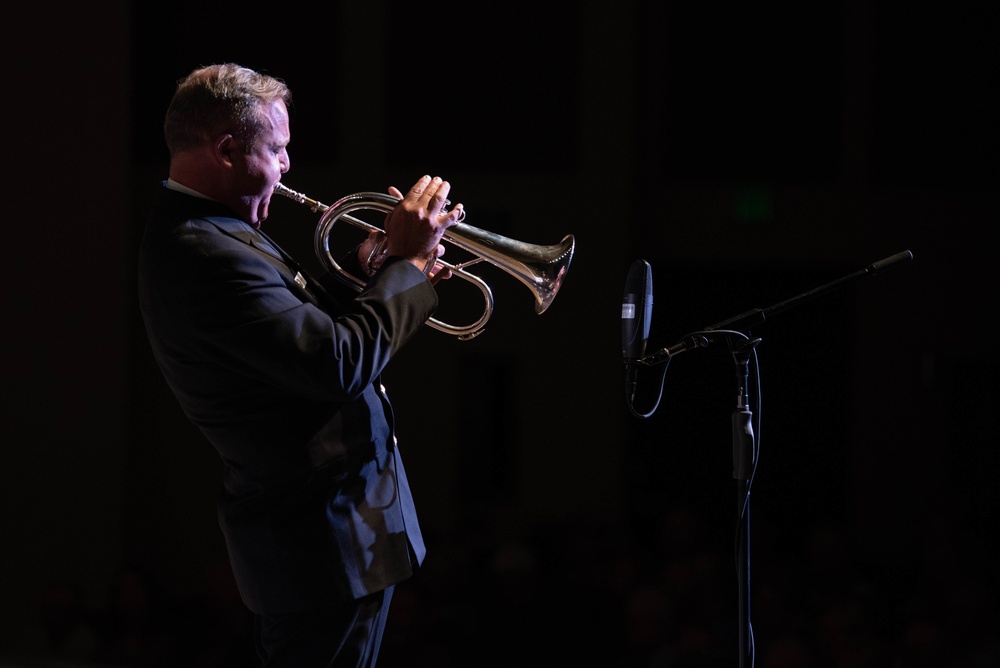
284, 382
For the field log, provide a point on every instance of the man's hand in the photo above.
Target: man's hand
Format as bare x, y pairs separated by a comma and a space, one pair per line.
417, 223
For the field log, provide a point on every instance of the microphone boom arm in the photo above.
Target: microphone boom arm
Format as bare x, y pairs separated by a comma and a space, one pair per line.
757, 316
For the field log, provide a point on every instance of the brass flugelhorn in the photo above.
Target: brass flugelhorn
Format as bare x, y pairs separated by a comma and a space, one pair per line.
540, 268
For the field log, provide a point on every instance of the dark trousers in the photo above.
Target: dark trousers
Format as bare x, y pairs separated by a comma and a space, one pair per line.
347, 635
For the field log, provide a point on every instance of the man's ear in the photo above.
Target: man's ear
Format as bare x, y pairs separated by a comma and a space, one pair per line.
224, 147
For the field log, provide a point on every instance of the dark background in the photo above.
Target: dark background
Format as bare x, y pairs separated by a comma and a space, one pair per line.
750, 154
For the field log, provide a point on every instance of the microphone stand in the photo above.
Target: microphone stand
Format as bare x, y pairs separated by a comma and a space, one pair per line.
744, 463
744, 446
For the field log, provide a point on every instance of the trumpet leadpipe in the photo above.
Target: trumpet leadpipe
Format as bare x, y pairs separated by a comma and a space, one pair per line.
317, 207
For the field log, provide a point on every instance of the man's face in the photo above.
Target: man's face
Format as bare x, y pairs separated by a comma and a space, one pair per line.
263, 166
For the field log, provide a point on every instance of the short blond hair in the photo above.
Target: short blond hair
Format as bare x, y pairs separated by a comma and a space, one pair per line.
217, 99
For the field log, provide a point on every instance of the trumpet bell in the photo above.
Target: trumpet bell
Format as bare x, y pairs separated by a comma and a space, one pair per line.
540, 268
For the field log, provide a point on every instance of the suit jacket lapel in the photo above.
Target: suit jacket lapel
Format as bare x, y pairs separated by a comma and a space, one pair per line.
239, 230
307, 289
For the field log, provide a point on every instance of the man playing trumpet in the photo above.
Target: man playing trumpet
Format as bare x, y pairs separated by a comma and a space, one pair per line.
281, 372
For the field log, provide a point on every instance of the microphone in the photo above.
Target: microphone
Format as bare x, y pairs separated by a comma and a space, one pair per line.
637, 311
